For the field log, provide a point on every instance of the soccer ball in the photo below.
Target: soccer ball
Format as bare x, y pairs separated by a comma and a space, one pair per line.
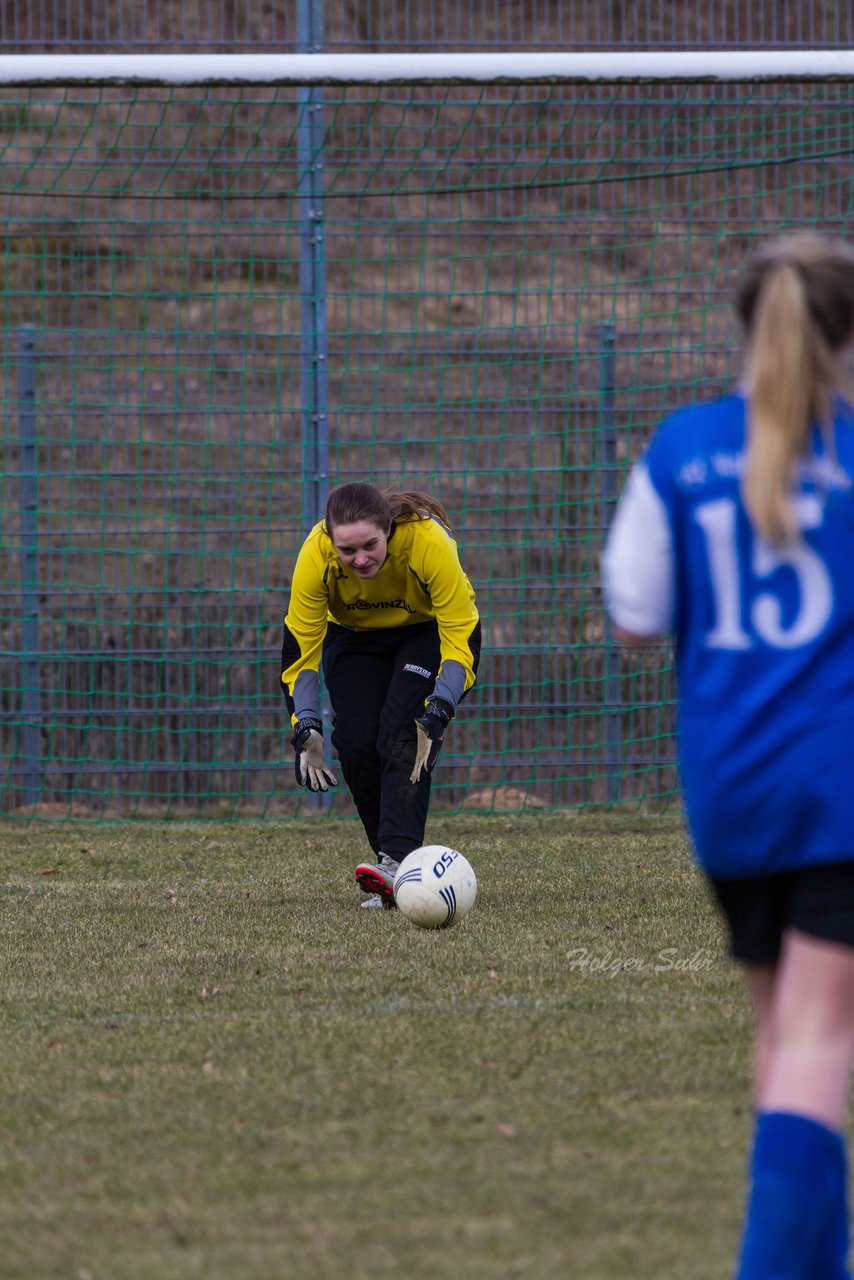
435, 886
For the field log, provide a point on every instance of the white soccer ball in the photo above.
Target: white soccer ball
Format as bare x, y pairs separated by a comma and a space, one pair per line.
435, 886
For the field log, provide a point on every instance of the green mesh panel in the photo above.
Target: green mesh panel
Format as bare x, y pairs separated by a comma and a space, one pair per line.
519, 283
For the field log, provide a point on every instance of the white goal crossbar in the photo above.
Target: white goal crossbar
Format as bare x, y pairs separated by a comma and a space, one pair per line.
423, 68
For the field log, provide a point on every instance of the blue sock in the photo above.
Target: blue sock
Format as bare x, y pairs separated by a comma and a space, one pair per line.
797, 1215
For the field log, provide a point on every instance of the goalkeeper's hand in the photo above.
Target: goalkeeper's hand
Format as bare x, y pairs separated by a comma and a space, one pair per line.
430, 733
310, 765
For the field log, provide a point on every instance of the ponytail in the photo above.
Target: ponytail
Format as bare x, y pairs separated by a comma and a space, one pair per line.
782, 389
413, 504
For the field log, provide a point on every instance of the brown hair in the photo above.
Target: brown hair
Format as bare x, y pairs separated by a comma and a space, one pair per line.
350, 503
796, 303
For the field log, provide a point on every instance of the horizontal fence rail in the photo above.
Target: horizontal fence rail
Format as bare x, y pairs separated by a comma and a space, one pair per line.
684, 66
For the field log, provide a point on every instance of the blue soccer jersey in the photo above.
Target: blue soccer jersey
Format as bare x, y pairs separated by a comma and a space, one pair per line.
764, 638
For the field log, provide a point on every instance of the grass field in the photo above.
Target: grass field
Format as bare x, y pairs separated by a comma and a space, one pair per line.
216, 1065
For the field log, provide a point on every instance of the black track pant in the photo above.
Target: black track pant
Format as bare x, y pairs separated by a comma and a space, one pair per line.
377, 683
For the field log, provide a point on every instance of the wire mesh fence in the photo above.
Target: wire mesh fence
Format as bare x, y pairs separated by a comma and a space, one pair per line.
519, 281
224, 26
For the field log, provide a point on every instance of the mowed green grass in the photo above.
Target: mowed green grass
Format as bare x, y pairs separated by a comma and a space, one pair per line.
216, 1065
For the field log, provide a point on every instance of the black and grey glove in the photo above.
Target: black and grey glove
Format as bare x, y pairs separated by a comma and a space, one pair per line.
310, 765
430, 729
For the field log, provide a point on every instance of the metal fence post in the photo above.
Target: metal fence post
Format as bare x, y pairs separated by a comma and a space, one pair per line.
608, 491
314, 339
314, 330
33, 768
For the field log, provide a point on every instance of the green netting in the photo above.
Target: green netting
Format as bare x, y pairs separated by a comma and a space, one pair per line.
216, 303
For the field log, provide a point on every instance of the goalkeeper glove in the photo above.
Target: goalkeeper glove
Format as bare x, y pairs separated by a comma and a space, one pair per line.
310, 766
430, 734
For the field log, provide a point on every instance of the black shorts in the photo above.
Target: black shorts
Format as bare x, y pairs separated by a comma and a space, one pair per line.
818, 901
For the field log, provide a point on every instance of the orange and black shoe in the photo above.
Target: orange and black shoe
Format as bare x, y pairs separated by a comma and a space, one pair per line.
377, 878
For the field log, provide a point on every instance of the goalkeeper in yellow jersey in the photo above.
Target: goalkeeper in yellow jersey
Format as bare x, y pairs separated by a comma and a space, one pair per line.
380, 599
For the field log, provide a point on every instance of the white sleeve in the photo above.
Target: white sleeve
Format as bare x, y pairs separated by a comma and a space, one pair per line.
638, 575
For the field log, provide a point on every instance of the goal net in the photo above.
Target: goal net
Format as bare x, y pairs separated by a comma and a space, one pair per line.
220, 299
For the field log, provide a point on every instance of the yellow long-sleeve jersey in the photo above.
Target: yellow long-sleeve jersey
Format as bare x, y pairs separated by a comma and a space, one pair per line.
421, 579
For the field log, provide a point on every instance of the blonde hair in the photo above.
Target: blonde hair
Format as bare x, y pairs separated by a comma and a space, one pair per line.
796, 302
350, 503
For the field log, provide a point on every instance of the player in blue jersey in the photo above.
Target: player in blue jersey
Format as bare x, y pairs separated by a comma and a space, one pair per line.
380, 600
736, 534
